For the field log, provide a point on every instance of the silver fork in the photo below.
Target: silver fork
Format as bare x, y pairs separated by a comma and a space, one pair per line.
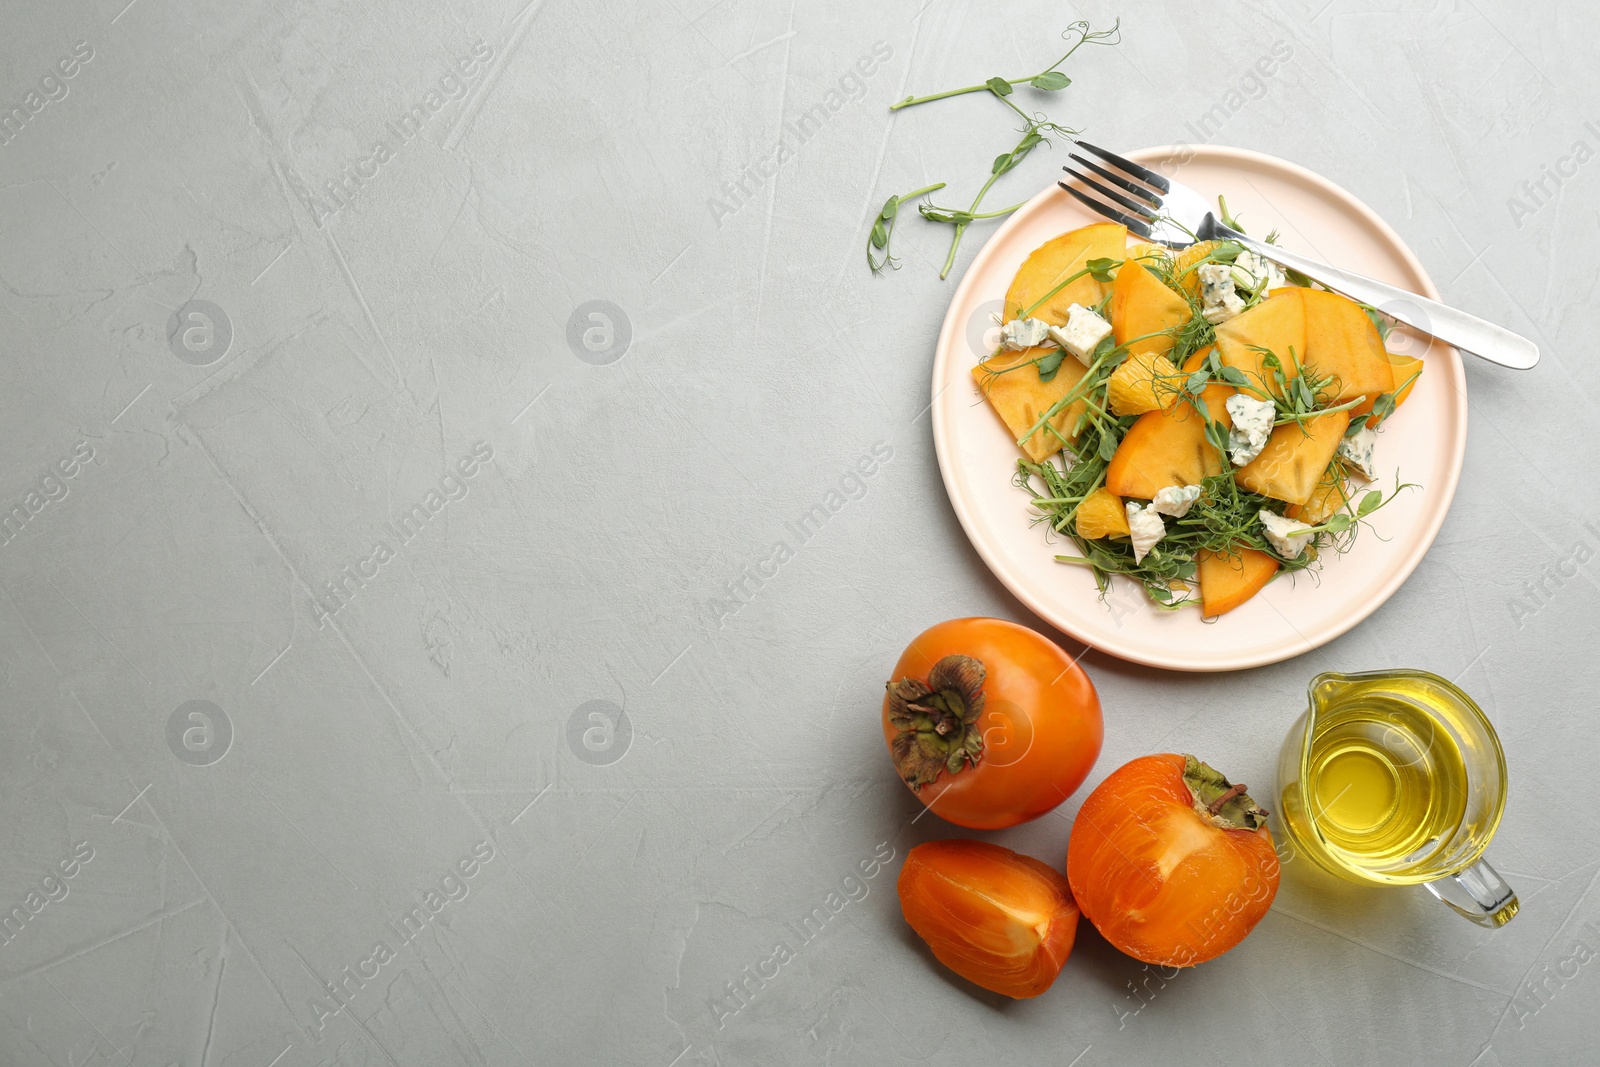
1160, 209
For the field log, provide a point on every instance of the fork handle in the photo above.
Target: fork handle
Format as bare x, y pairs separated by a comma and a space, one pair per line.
1453, 326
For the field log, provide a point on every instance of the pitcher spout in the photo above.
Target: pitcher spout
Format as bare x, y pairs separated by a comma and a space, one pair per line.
1324, 693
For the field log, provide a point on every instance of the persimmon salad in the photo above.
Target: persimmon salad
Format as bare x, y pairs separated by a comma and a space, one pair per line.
1191, 418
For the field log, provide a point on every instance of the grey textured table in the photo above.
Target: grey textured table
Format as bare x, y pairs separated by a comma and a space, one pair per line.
396, 393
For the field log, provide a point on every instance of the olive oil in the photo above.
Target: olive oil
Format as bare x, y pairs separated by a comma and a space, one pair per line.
1391, 777
1397, 778
1387, 786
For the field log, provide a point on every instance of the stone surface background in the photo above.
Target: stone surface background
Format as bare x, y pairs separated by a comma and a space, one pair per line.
584, 879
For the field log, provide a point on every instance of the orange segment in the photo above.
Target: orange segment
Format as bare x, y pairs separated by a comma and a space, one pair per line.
1143, 383
1188, 258
1101, 515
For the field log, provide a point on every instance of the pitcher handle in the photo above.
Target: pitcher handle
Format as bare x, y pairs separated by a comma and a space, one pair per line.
1479, 893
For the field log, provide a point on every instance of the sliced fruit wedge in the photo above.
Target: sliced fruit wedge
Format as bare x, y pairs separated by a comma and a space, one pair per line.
1003, 921
1341, 341
1169, 447
1226, 581
1278, 325
1142, 306
1101, 515
1058, 258
1295, 458
1019, 397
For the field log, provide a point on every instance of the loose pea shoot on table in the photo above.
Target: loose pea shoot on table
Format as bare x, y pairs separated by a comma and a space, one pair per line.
1036, 130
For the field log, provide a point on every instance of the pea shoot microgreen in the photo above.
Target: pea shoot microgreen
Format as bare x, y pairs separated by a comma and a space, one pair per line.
878, 255
1036, 129
1049, 79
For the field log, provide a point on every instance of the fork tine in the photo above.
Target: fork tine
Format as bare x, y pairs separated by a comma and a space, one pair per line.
1118, 180
1138, 226
1144, 174
1143, 210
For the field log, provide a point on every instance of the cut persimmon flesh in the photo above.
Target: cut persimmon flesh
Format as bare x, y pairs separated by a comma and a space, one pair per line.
1328, 497
1169, 447
1002, 921
1141, 306
1226, 581
1277, 324
1342, 342
1293, 462
1407, 372
1060, 258
1019, 397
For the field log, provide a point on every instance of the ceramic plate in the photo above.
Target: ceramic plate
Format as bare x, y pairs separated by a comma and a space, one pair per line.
1424, 441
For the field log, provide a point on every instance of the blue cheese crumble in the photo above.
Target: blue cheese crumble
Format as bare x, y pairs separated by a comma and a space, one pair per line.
1023, 333
1356, 451
1257, 275
1287, 536
1252, 425
1082, 333
1145, 528
1218, 300
1175, 500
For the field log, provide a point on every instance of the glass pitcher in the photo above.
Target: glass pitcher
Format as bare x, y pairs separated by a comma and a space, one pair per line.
1397, 778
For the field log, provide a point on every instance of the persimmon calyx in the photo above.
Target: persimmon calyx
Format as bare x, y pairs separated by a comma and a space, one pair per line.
936, 719
1220, 802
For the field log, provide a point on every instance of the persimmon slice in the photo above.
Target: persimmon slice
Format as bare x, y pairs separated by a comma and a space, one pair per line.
1295, 458
1343, 343
1058, 259
1000, 920
1169, 447
1226, 581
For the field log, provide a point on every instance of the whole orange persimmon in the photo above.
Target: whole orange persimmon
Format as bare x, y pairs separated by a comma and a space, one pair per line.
1170, 862
989, 723
1002, 921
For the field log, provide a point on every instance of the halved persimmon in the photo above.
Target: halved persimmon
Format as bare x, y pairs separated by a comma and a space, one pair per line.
1000, 920
1172, 864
